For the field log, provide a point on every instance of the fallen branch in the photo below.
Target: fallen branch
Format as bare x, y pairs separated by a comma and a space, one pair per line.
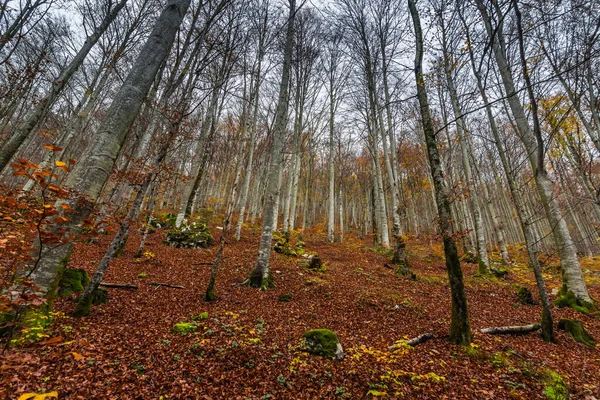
507, 330
118, 285
203, 263
414, 341
420, 339
166, 285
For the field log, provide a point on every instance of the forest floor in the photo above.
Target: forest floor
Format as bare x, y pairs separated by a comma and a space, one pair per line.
247, 348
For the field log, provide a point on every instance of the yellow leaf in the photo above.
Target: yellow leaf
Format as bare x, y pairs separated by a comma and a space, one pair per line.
77, 356
44, 395
60, 163
36, 396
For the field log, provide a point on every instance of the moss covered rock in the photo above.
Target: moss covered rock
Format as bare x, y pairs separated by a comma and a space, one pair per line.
316, 264
524, 295
324, 343
200, 317
577, 331
183, 328
194, 235
72, 281
498, 272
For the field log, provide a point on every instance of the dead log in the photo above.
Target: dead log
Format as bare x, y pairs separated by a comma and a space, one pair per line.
420, 339
511, 330
166, 285
118, 285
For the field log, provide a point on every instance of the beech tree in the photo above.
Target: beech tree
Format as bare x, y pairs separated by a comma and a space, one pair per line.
460, 330
89, 177
534, 144
259, 277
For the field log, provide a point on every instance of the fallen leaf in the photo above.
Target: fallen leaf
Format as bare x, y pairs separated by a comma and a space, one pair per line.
53, 340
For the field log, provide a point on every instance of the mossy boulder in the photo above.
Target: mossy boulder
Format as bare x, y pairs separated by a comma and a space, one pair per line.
577, 331
498, 272
183, 328
72, 281
324, 343
200, 317
524, 295
316, 264
192, 236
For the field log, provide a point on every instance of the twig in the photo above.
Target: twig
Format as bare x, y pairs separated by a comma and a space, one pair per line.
118, 285
165, 285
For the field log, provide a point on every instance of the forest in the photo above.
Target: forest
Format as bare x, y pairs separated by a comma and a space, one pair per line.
299, 199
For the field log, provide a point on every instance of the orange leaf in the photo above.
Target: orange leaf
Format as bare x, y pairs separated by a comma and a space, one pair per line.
56, 339
60, 163
77, 356
52, 147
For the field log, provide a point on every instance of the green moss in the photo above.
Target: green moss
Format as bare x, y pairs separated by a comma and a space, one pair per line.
482, 267
568, 299
284, 298
404, 270
164, 220
200, 317
256, 280
100, 296
524, 295
321, 342
183, 328
555, 389
84, 305
498, 272
72, 281
142, 275
499, 360
577, 331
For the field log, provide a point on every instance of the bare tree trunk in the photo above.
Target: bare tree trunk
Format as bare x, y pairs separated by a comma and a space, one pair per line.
90, 175
260, 277
460, 329
572, 275
547, 324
